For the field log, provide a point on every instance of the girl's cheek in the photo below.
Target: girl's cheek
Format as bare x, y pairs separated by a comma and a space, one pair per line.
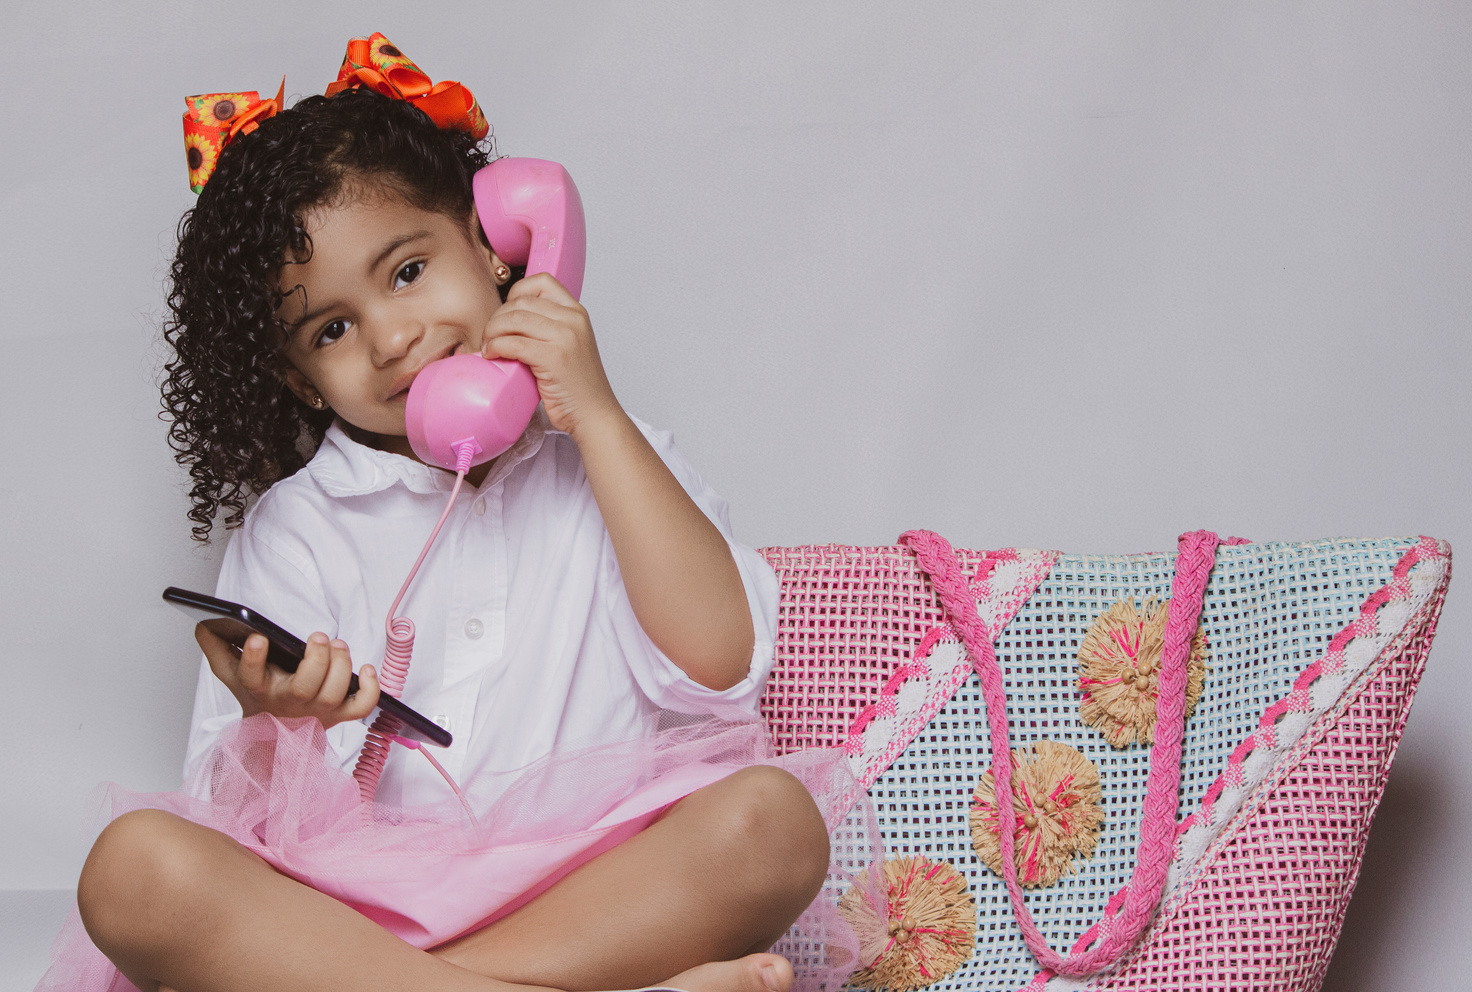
478, 335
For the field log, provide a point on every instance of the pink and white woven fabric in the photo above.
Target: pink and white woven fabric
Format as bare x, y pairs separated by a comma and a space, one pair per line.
1314, 653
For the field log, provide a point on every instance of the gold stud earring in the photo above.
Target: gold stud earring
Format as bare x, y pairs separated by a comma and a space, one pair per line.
502, 272
318, 402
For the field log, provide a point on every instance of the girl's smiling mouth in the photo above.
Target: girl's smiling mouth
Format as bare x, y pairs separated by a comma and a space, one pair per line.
399, 388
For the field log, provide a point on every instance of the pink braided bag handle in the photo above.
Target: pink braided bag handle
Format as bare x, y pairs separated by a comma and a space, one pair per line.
1158, 817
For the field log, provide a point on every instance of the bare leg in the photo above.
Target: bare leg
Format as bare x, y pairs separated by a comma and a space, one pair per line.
176, 905
723, 873
179, 906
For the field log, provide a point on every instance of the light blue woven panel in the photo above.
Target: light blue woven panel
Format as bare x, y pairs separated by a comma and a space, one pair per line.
1270, 609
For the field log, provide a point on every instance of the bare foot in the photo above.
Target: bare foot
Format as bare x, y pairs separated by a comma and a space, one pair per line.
753, 973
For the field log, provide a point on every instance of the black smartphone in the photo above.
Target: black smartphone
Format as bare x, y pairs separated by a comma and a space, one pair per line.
233, 623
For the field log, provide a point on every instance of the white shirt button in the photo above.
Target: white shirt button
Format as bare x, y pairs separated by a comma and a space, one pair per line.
479, 506
474, 628
443, 721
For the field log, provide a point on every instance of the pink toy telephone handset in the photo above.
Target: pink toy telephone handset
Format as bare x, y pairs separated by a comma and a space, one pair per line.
532, 216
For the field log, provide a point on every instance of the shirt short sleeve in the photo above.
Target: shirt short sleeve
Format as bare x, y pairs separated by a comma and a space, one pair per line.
664, 682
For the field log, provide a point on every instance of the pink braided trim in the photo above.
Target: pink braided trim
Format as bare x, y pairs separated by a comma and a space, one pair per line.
1197, 554
1298, 700
871, 748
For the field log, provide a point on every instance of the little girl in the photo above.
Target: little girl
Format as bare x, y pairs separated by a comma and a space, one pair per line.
588, 630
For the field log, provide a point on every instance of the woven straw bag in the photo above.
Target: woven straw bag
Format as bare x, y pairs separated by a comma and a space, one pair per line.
1259, 819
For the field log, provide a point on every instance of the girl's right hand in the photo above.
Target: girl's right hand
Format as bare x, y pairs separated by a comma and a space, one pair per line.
319, 686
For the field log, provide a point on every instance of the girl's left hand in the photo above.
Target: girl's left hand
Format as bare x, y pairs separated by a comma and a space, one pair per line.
543, 326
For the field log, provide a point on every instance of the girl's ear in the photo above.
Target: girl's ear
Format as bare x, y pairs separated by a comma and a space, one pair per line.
499, 269
302, 388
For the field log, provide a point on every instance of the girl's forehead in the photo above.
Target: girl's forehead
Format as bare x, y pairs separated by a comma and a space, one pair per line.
359, 213
359, 232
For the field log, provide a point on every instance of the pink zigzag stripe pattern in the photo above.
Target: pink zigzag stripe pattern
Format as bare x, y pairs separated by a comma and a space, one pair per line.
1002, 595
1298, 699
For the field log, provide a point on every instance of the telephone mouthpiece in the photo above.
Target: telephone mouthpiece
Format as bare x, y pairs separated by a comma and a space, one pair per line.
467, 398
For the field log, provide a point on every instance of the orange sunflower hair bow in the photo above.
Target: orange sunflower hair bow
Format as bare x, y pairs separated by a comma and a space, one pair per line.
374, 62
213, 119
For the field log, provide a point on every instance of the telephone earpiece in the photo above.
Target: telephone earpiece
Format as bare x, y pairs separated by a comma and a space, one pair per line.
532, 216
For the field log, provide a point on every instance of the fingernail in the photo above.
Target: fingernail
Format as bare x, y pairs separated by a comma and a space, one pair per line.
338, 642
318, 638
769, 978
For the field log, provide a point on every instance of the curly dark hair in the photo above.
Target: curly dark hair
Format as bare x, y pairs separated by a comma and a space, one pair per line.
234, 423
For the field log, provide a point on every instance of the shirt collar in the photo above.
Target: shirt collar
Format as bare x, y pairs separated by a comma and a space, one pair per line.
345, 467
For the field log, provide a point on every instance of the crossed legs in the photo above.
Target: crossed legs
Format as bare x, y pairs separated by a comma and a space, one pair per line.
723, 873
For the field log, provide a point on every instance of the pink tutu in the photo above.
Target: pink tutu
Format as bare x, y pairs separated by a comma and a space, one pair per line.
431, 873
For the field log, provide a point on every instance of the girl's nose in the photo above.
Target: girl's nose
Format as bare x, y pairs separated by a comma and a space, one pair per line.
391, 338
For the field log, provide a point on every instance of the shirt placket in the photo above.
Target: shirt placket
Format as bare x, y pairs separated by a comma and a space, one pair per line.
475, 635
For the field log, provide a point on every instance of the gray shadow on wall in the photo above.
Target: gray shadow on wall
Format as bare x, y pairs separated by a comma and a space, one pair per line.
1406, 849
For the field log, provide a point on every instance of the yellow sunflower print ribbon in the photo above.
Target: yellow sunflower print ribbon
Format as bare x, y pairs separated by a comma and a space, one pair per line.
213, 119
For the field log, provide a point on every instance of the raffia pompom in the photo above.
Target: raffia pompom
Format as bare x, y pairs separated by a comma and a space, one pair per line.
930, 932
1119, 671
1055, 797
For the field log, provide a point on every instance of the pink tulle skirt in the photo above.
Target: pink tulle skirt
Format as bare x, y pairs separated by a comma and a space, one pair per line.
431, 873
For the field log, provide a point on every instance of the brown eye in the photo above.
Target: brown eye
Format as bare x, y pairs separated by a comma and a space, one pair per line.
407, 274
331, 332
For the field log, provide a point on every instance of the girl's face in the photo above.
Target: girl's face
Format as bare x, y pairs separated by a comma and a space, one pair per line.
389, 288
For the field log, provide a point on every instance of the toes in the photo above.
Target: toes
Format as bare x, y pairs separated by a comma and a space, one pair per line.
773, 972
753, 973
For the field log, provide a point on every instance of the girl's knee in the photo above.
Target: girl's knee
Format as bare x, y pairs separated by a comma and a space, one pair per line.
775, 816
142, 861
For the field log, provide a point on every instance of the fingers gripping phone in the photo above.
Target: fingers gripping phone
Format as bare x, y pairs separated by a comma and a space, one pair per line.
233, 623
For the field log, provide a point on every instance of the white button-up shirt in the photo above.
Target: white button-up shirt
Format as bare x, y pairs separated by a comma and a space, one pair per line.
526, 643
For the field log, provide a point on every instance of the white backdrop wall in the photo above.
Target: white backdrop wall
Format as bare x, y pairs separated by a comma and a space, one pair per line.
1075, 275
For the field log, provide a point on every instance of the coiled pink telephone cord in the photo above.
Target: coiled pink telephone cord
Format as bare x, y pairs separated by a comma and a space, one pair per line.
397, 652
